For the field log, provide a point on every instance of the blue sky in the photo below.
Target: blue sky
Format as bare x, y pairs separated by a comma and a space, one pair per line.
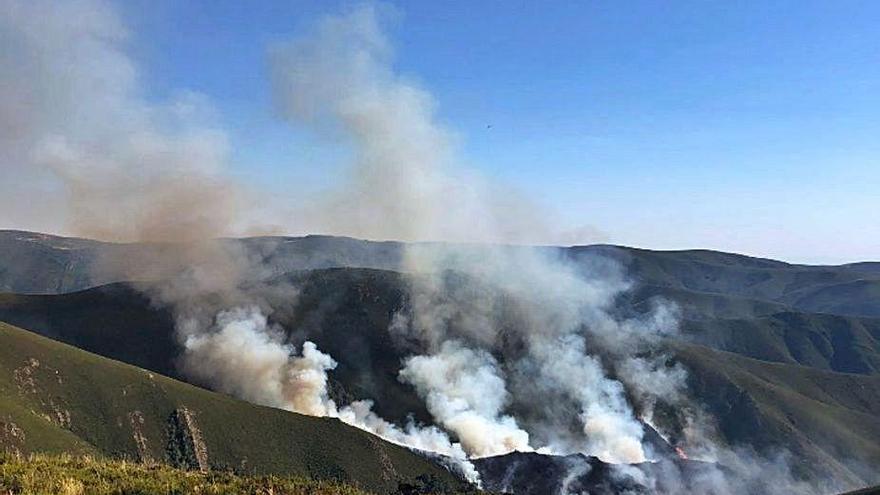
743, 126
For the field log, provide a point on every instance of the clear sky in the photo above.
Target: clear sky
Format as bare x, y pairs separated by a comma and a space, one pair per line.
751, 127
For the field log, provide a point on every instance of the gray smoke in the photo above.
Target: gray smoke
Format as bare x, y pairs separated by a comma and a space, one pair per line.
76, 123
406, 183
499, 328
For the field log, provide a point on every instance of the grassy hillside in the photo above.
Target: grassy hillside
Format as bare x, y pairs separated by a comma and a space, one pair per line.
824, 341
55, 398
37, 263
114, 321
696, 305
825, 418
71, 475
346, 311
33, 263
802, 373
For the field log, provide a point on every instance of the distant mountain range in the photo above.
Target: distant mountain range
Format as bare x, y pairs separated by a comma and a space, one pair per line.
702, 281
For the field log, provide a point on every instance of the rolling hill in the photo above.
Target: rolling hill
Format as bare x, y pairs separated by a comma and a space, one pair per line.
33, 263
55, 398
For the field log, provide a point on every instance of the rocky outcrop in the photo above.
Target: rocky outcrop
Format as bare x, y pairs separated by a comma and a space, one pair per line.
136, 421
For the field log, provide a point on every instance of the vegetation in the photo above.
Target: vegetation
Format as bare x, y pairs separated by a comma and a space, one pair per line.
55, 398
39, 474
69, 475
824, 418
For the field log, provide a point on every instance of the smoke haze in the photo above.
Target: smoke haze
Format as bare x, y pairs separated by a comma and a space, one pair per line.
495, 329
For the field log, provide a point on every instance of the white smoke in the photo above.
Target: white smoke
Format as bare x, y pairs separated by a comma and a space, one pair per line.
424, 438
75, 120
245, 356
248, 358
464, 392
610, 429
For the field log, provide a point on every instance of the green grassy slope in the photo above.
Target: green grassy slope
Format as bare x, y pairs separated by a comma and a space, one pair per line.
346, 311
824, 341
698, 305
831, 419
114, 321
56, 398
72, 475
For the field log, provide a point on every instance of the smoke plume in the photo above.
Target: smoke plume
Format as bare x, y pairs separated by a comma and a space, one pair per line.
465, 393
406, 183
243, 355
76, 120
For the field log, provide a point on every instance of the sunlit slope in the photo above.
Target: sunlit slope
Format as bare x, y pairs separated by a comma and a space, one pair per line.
66, 474
56, 398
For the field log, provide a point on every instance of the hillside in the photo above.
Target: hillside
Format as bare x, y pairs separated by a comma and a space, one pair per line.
58, 399
824, 341
71, 475
533, 473
781, 355
33, 263
824, 416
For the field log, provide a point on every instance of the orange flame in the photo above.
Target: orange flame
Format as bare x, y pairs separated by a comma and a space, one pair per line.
681, 453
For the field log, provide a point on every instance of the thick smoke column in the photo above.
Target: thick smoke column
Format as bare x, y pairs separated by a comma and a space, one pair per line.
406, 184
248, 358
466, 394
